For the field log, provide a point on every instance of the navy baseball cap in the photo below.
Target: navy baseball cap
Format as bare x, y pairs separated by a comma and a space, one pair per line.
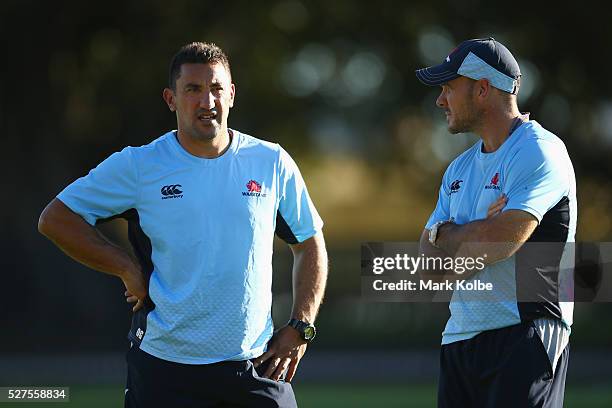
476, 59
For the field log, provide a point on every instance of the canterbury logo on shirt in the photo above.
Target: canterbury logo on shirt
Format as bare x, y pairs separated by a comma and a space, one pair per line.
171, 191
455, 186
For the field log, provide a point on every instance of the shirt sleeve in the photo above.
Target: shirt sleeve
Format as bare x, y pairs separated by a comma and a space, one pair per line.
297, 218
109, 189
442, 210
537, 178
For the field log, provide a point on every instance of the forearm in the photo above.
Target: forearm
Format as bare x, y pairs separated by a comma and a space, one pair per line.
487, 239
429, 251
310, 268
81, 241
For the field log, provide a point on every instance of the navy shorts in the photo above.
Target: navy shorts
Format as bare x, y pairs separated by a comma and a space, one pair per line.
152, 382
506, 367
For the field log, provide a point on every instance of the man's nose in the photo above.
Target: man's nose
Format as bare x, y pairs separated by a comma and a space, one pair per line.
441, 101
207, 101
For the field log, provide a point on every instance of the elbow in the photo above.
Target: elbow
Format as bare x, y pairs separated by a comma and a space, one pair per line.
44, 223
48, 220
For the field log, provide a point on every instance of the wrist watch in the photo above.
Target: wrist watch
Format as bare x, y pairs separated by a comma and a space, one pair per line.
307, 331
433, 232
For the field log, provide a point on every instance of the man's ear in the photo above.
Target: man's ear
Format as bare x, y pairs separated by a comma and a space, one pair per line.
483, 88
232, 95
168, 96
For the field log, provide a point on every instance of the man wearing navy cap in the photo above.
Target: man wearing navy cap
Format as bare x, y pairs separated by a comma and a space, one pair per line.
513, 188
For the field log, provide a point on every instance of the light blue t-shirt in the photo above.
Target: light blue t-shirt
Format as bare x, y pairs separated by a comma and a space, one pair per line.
532, 167
203, 231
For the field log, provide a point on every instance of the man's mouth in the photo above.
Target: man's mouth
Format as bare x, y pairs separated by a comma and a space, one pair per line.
208, 116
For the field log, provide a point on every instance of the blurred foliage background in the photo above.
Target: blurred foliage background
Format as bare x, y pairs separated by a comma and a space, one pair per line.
333, 82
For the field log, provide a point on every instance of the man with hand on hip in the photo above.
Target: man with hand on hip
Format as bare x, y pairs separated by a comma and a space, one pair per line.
203, 204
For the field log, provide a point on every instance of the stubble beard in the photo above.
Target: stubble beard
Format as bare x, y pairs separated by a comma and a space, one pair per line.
470, 120
462, 126
208, 135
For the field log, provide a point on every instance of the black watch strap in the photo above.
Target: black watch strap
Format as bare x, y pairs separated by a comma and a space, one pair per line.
306, 330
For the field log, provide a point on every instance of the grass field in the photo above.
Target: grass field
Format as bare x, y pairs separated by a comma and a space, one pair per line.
334, 396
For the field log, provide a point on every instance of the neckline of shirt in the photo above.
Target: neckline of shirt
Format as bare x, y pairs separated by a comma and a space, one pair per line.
203, 161
489, 156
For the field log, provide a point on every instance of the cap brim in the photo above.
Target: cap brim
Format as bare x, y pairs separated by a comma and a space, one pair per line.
436, 75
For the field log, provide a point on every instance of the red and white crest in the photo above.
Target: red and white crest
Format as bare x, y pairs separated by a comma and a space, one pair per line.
253, 186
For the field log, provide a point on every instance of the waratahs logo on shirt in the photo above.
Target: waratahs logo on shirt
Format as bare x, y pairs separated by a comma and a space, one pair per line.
253, 186
253, 189
494, 183
455, 186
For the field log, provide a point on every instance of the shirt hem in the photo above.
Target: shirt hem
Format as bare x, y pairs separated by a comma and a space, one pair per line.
66, 201
303, 237
527, 209
453, 338
196, 361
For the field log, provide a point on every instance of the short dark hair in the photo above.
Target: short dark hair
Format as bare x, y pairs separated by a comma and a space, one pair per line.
196, 53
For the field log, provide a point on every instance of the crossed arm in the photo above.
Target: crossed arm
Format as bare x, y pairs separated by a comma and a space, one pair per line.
309, 277
498, 236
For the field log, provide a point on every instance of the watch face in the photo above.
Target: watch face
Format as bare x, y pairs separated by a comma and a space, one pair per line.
309, 332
